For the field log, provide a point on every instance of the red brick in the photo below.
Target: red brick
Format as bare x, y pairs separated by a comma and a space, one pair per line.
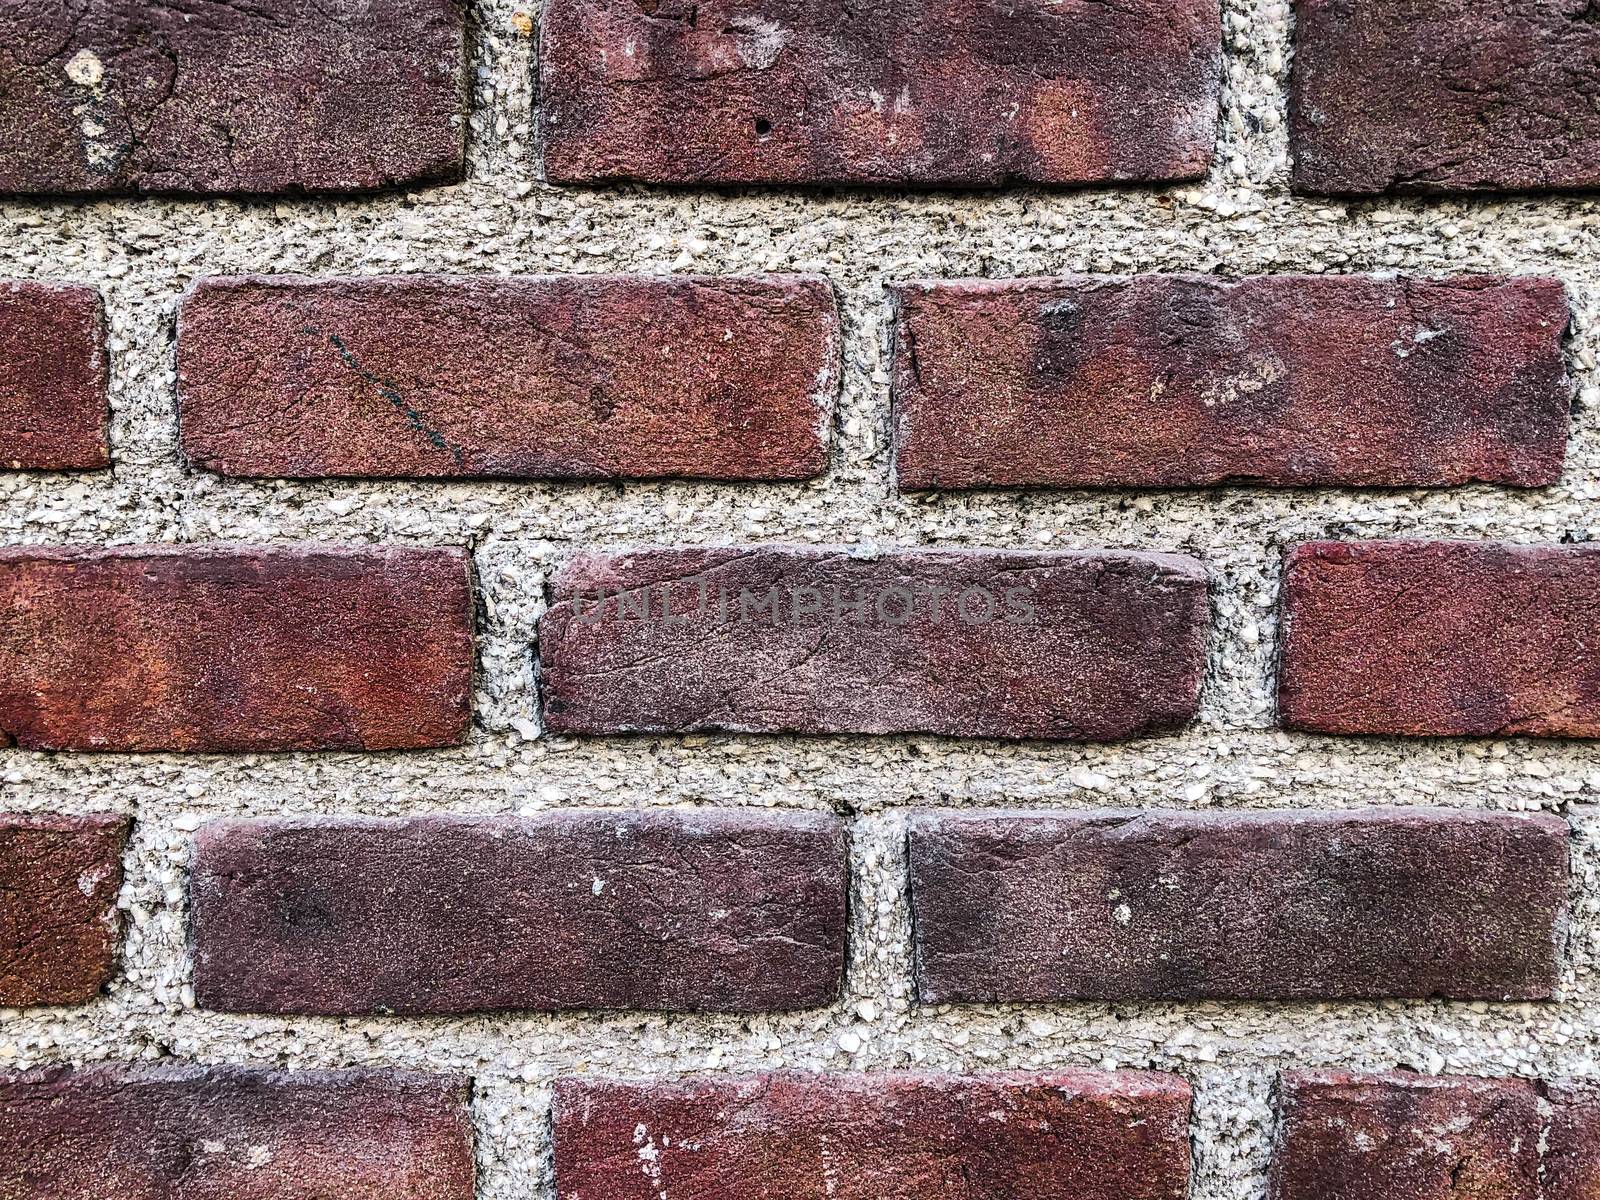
117, 96
1253, 906
666, 910
59, 878
1445, 96
233, 1133
575, 377
1570, 1166
52, 376
211, 648
1064, 1135
958, 92
1441, 639
1187, 380
1080, 645
1406, 1137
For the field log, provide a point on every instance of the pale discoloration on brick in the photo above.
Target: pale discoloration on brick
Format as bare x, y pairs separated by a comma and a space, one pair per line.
1309, 906
1441, 639
1088, 646
59, 878
163, 1132
1184, 380
914, 91
117, 96
234, 648
575, 377
1062, 1135
677, 911
1445, 95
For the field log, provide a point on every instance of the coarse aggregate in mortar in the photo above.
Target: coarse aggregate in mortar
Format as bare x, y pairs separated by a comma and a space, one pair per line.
143, 254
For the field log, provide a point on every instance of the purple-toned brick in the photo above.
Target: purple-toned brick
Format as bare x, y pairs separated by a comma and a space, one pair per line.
210, 98
1445, 96
1441, 639
52, 375
59, 878
911, 92
1089, 645
1062, 1135
576, 377
1187, 380
692, 910
233, 1133
234, 648
1013, 907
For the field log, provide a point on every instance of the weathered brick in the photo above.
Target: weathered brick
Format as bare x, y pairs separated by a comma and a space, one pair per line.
1570, 1165
209, 1133
1445, 95
666, 910
1080, 645
1441, 639
1185, 380
575, 377
52, 375
908, 91
117, 96
1064, 1135
59, 878
1406, 1137
208, 648
1178, 906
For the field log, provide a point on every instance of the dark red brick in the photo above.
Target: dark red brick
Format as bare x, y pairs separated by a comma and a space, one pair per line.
691, 910
1406, 1137
52, 375
1445, 95
1063, 1135
1441, 639
218, 96
576, 377
210, 648
1186, 380
59, 878
1080, 645
1570, 1165
1252, 906
233, 1133
959, 92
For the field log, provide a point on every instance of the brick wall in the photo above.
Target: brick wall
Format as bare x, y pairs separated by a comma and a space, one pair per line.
549, 649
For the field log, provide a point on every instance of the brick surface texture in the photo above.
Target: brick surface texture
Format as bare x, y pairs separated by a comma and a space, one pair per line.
215, 96
907, 91
773, 639
1129, 906
1441, 638
59, 878
568, 378
1374, 1137
160, 1133
1182, 380
1068, 1135
234, 648
686, 911
52, 377
799, 599
1445, 96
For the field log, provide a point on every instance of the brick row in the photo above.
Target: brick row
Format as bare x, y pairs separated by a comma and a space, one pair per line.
277, 98
59, 879
685, 911
1028, 907
219, 649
